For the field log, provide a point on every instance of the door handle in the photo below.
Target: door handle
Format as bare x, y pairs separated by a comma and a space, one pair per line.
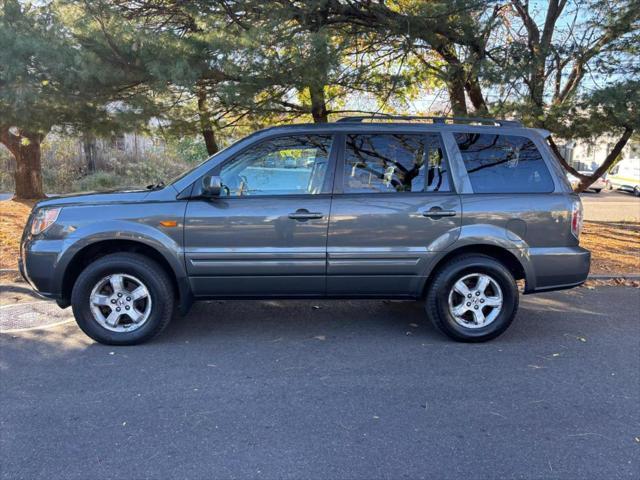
305, 215
437, 212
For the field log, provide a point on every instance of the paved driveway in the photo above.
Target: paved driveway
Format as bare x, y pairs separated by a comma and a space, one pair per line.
352, 389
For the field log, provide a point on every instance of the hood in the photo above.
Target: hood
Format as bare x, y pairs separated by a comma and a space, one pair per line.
92, 198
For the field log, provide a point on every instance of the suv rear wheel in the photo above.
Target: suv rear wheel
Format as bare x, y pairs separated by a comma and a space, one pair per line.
122, 299
472, 299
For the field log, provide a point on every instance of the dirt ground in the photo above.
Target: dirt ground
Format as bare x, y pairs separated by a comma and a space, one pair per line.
615, 247
13, 216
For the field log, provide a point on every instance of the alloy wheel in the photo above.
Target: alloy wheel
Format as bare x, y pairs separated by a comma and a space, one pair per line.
475, 300
120, 303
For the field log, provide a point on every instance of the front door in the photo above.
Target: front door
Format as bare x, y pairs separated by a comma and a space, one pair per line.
393, 209
267, 232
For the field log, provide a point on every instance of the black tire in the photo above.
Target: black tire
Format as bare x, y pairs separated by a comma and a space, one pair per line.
437, 301
597, 190
155, 280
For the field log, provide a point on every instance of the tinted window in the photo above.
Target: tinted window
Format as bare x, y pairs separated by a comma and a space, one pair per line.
503, 164
282, 166
394, 163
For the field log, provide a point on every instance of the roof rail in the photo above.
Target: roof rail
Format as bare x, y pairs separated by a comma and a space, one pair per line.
440, 120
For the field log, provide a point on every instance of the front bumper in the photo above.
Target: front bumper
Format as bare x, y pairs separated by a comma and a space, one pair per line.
37, 265
559, 268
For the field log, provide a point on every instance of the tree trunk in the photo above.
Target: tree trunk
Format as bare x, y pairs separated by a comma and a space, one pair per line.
318, 104
206, 127
455, 80
455, 87
90, 151
25, 147
477, 98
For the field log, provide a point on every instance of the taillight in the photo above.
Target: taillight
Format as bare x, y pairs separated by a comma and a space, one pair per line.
576, 218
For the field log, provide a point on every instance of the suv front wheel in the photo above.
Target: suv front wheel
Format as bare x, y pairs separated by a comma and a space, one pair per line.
122, 299
472, 299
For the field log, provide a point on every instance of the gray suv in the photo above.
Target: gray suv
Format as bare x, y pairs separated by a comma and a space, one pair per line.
450, 211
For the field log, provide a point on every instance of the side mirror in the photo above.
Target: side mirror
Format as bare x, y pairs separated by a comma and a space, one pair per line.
211, 186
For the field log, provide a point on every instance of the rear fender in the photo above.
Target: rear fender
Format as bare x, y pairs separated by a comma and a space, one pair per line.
485, 238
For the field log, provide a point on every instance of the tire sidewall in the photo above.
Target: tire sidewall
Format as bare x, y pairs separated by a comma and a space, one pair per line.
151, 275
503, 278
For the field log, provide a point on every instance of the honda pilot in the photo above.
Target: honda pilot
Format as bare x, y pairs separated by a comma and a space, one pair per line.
462, 214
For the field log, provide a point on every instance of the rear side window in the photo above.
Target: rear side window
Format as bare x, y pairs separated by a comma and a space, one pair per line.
378, 163
503, 164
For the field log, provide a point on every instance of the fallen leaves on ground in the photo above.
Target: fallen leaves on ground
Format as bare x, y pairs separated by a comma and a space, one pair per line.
614, 282
13, 216
615, 247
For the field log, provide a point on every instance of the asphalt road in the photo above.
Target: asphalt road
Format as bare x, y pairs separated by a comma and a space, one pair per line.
611, 206
282, 389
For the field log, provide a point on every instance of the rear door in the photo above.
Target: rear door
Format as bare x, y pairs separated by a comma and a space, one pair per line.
394, 207
267, 233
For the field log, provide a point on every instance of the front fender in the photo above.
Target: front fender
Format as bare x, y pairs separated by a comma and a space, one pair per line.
167, 244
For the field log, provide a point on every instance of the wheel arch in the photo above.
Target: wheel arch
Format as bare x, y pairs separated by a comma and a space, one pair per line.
98, 249
505, 256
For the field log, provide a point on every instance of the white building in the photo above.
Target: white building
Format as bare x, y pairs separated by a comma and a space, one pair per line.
589, 154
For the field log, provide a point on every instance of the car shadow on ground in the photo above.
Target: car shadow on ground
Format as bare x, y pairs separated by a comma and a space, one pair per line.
234, 325
268, 319
16, 292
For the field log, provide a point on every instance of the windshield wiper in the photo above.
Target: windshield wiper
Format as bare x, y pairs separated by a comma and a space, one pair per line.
155, 186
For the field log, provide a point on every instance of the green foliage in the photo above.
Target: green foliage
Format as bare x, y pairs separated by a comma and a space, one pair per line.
191, 150
98, 181
200, 73
48, 79
614, 107
152, 169
6, 174
64, 168
548, 60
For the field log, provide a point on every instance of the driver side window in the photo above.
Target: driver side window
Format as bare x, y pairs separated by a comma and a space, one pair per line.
291, 165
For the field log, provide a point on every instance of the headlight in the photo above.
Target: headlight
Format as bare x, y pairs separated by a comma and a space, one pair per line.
43, 219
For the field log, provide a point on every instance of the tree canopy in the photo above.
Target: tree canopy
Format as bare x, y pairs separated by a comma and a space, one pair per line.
205, 66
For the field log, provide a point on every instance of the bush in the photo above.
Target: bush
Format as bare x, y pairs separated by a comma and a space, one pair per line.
6, 170
187, 149
152, 169
97, 181
135, 163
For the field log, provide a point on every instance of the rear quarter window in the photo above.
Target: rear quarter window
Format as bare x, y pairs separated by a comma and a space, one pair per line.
503, 164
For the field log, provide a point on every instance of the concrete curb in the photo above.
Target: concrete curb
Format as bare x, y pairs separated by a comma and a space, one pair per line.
630, 276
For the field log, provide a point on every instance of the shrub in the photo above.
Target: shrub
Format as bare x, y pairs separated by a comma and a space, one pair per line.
97, 181
187, 149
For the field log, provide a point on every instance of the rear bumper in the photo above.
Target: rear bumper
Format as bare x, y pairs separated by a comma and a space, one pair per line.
558, 268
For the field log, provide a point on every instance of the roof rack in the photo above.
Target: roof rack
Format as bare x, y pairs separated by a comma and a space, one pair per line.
441, 120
